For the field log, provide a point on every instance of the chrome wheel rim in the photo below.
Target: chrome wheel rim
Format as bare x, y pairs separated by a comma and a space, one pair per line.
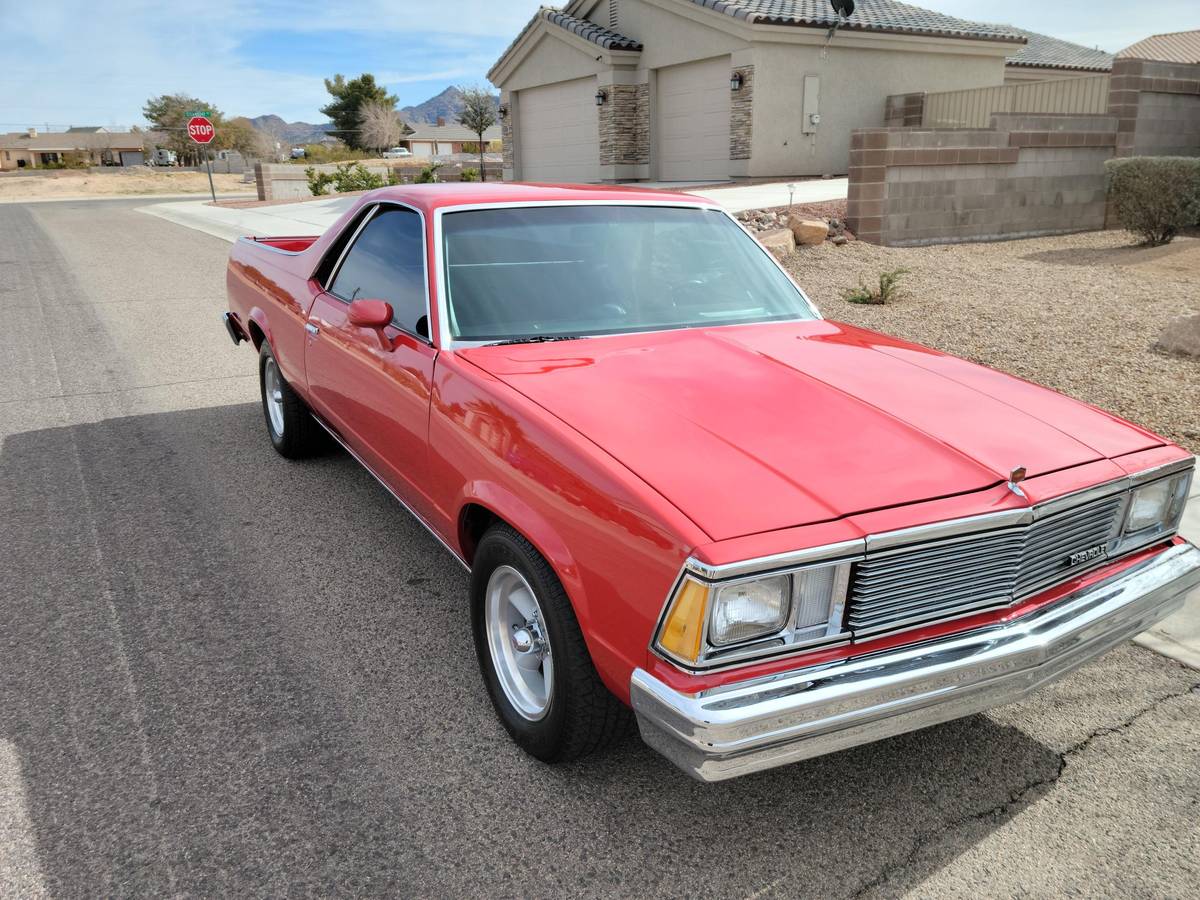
518, 643
273, 395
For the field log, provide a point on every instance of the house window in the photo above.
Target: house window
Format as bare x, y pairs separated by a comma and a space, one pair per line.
49, 158
612, 14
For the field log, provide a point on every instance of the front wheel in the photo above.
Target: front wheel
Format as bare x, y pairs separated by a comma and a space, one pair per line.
533, 657
290, 426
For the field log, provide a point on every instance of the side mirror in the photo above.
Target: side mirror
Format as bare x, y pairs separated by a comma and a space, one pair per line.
373, 314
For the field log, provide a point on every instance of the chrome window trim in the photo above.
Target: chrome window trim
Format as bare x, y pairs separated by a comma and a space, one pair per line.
447, 342
254, 242
368, 217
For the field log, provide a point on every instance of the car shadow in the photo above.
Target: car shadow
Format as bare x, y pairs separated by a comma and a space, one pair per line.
224, 673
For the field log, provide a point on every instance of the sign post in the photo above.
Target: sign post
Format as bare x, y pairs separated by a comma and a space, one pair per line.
200, 129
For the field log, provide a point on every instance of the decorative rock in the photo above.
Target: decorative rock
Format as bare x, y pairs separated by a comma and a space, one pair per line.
808, 231
1182, 335
779, 241
839, 239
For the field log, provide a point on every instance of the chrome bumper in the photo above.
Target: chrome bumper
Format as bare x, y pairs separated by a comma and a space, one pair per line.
748, 726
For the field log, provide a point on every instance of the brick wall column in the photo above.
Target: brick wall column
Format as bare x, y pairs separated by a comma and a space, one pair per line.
741, 115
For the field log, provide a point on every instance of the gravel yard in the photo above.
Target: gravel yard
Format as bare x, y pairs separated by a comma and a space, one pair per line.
1078, 313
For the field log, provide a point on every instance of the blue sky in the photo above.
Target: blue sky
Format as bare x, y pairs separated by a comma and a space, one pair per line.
71, 62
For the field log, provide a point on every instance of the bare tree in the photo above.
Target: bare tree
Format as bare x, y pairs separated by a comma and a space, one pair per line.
478, 113
379, 125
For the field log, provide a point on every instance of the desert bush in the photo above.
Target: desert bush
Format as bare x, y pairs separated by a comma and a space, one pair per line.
888, 290
320, 153
347, 177
428, 174
469, 174
1155, 196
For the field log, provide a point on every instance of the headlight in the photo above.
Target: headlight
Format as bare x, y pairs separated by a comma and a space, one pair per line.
1154, 511
711, 623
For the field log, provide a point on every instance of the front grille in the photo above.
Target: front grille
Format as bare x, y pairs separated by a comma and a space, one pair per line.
953, 577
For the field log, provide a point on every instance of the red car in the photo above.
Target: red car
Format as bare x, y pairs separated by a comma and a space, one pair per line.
678, 488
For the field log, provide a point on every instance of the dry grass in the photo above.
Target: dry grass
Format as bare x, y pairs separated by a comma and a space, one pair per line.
1077, 313
66, 183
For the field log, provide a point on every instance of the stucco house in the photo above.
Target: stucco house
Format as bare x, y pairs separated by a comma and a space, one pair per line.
704, 90
443, 139
33, 149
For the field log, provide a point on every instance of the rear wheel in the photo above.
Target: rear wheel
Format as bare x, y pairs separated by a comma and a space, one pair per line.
290, 426
533, 657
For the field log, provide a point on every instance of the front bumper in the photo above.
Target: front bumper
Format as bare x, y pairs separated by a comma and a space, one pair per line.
748, 726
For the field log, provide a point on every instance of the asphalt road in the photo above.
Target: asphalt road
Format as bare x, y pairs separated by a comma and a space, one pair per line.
225, 674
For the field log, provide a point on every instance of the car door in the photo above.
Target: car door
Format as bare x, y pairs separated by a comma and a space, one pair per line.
372, 387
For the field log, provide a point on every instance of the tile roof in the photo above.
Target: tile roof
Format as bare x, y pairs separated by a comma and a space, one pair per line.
61, 141
1045, 52
1176, 47
869, 15
452, 131
589, 31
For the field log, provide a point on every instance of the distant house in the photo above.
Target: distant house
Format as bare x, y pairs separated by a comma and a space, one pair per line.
443, 139
33, 149
1045, 58
1175, 47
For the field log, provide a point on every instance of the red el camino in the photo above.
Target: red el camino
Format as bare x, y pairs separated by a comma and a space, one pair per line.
678, 488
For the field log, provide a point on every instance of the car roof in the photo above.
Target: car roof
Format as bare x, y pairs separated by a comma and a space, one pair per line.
430, 197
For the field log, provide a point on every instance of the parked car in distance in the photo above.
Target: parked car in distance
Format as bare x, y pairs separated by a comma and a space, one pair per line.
397, 153
678, 488
163, 157
299, 153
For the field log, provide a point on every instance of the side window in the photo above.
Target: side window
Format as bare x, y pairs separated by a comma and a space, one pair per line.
387, 262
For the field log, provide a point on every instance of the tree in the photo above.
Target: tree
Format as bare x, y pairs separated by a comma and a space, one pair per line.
379, 125
168, 114
348, 99
478, 113
240, 134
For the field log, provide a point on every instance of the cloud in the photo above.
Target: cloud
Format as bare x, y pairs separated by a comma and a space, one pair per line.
76, 63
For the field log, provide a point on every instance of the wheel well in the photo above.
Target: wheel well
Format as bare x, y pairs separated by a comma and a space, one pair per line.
256, 335
473, 521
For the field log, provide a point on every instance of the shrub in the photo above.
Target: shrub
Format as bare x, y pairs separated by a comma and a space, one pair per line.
1155, 196
888, 290
347, 177
428, 174
469, 175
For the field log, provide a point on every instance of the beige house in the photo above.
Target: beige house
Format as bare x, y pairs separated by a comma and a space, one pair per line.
33, 149
707, 90
442, 139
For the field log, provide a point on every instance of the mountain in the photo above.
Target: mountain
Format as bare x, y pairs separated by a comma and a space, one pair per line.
446, 105
291, 132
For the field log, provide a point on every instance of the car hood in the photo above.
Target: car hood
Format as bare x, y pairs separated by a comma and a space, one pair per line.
755, 428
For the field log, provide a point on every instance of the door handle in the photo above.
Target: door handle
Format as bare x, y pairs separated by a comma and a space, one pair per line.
312, 329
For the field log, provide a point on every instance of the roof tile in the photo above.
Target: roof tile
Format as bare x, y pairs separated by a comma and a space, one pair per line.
1045, 52
869, 15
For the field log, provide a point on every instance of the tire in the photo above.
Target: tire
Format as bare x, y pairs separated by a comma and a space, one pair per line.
579, 714
294, 433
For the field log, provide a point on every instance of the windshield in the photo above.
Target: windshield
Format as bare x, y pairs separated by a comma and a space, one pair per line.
557, 271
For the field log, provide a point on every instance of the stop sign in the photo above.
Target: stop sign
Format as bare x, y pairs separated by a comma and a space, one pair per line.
201, 130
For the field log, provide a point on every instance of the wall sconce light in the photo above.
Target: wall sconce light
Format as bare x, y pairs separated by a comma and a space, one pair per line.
735, 81
504, 112
601, 96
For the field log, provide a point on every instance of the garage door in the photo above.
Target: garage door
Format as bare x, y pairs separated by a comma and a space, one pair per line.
693, 121
559, 132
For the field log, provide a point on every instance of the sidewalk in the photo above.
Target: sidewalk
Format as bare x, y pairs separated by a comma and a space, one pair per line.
314, 216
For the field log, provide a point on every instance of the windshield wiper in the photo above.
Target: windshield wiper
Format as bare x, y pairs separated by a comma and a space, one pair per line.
539, 339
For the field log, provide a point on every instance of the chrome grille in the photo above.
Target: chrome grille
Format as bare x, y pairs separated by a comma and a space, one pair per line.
953, 577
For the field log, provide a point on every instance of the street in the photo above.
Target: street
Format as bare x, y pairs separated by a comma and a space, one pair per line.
222, 673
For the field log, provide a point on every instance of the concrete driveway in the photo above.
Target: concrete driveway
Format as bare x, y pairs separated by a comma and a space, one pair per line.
225, 674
